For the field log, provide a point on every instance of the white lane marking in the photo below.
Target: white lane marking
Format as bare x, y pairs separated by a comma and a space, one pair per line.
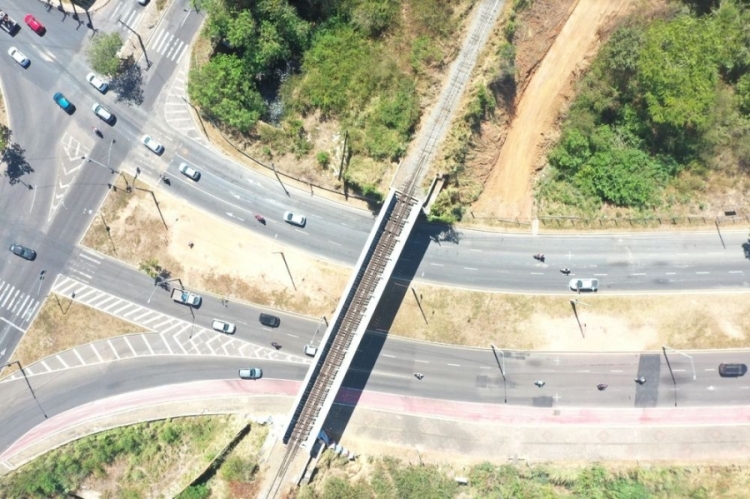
670, 273
144, 314
702, 273
11, 324
603, 275
736, 272
437, 265
129, 345
422, 361
87, 257
75, 351
337, 244
30, 313
167, 343
470, 268
96, 352
471, 249
145, 340
113, 349
302, 232
455, 365
61, 361
389, 356
6, 298
43, 363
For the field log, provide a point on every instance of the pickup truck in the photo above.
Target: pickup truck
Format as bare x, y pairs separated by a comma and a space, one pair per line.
7, 23
186, 297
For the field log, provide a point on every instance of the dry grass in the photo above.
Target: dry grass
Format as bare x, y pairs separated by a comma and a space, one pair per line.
63, 324
225, 260
165, 474
621, 323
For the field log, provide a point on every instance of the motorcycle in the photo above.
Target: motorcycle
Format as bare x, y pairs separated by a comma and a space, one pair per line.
565, 271
601, 386
97, 132
275, 345
640, 380
260, 219
540, 257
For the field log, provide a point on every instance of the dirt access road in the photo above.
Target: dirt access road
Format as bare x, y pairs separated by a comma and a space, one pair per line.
508, 192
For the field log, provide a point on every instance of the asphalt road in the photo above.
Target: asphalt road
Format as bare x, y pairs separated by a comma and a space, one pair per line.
53, 143
470, 375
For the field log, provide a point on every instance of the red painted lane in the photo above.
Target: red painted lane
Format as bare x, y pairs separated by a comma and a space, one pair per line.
416, 406
181, 393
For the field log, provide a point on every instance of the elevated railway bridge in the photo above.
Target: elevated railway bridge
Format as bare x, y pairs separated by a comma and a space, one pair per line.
373, 270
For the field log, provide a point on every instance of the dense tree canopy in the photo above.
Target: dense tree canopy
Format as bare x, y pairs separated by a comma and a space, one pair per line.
102, 53
659, 99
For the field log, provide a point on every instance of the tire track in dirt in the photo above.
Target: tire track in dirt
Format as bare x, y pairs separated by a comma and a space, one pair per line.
508, 191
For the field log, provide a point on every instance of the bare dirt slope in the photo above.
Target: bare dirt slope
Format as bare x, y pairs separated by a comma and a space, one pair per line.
508, 191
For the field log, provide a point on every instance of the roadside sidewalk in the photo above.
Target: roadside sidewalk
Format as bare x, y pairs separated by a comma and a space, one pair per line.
439, 430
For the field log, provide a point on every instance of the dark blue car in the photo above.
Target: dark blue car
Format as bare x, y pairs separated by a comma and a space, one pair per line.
63, 102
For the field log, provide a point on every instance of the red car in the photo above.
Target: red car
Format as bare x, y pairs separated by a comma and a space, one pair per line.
34, 24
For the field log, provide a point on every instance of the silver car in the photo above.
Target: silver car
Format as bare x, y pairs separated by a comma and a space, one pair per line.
584, 284
189, 171
18, 56
223, 326
251, 373
152, 144
97, 82
295, 219
102, 112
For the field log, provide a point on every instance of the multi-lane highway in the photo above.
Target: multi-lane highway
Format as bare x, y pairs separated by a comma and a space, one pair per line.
64, 174
461, 374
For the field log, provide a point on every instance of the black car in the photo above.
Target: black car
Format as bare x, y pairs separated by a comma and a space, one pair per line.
269, 320
23, 251
732, 370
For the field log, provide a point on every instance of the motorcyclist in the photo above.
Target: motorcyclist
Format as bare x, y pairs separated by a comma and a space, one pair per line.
539, 383
602, 386
565, 271
275, 345
640, 380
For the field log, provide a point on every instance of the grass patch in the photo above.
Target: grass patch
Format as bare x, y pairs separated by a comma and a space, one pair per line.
622, 323
389, 477
133, 228
62, 324
156, 459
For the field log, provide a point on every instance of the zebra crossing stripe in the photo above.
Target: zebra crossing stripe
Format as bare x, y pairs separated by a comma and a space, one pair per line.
96, 352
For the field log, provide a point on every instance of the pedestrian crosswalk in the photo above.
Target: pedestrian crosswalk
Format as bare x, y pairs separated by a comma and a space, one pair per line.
16, 305
167, 45
127, 15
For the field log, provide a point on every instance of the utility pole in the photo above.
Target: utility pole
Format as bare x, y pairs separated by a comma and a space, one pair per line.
140, 41
20, 368
502, 369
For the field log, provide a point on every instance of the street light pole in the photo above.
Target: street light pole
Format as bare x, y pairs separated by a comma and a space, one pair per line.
20, 368
684, 355
98, 163
502, 369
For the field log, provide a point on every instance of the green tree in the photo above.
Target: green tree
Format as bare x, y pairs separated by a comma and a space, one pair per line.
223, 90
678, 73
102, 53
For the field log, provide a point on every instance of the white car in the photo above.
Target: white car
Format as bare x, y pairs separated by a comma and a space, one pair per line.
152, 144
310, 350
294, 219
97, 82
102, 112
189, 171
223, 327
584, 284
19, 57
